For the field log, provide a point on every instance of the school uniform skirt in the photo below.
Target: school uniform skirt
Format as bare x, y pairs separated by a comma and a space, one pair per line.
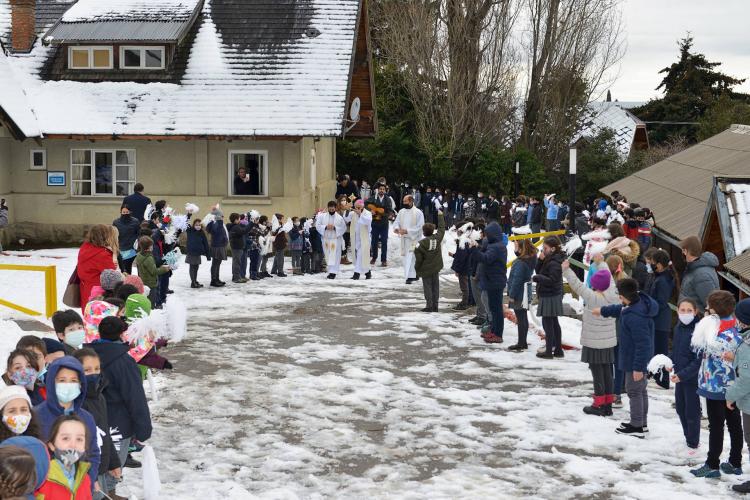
598, 356
193, 260
219, 253
550, 306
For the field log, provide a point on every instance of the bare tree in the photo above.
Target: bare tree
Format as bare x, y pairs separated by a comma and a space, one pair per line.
460, 71
571, 45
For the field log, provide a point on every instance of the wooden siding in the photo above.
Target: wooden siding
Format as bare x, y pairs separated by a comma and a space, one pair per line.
362, 84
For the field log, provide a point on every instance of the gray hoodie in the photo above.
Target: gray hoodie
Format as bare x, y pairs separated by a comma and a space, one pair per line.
700, 279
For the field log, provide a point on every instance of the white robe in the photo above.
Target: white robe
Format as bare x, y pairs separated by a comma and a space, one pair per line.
360, 240
412, 220
333, 239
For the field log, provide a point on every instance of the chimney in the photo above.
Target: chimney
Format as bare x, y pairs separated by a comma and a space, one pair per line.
23, 25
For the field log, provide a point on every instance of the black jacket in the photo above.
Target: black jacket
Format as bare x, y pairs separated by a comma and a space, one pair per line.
461, 261
96, 404
127, 408
536, 213
137, 203
128, 228
493, 210
548, 275
315, 240
237, 233
197, 242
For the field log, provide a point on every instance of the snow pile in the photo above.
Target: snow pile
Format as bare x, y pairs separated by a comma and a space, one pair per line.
739, 214
13, 99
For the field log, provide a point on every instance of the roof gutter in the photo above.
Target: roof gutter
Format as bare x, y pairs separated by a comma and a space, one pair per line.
666, 236
14, 129
735, 281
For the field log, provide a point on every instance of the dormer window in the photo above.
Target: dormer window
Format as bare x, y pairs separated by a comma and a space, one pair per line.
141, 57
90, 57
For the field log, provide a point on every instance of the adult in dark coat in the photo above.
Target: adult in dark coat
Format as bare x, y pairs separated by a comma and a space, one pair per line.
137, 202
128, 229
493, 209
506, 220
347, 188
492, 277
244, 183
382, 207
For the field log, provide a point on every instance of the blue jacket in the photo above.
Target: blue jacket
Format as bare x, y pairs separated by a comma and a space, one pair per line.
197, 243
316, 241
520, 274
461, 261
219, 238
48, 411
716, 374
39, 451
552, 209
295, 239
660, 289
685, 360
636, 346
494, 259
137, 204
127, 408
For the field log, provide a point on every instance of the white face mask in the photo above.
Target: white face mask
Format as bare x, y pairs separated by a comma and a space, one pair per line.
686, 318
17, 423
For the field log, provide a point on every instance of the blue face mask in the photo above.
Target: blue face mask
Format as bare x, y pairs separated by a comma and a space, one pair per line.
41, 374
649, 269
92, 381
75, 338
67, 391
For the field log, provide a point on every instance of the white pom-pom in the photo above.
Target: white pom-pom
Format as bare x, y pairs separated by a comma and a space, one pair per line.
148, 212
308, 225
658, 362
522, 230
176, 313
704, 336
151, 480
152, 326
466, 227
287, 225
253, 214
208, 218
191, 208
180, 222
275, 224
572, 245
600, 234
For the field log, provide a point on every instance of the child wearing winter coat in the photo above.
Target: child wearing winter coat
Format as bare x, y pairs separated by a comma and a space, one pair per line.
661, 289
520, 274
460, 267
738, 394
306, 246
69, 474
598, 336
493, 258
279, 246
296, 244
197, 246
252, 243
549, 289
237, 232
685, 366
429, 262
148, 271
715, 336
635, 314
96, 404
316, 243
219, 240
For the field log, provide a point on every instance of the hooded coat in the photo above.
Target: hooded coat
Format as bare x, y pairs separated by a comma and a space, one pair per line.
636, 321
127, 408
48, 411
548, 275
96, 404
493, 259
660, 289
92, 260
685, 359
628, 250
700, 279
596, 332
739, 392
128, 229
429, 252
38, 450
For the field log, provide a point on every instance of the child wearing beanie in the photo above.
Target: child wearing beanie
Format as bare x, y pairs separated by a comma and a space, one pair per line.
635, 313
598, 335
135, 280
110, 278
738, 394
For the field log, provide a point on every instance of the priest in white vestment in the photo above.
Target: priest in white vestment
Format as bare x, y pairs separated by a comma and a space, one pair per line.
408, 225
331, 226
359, 236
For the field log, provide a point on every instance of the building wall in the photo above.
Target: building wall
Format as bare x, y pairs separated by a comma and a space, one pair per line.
193, 171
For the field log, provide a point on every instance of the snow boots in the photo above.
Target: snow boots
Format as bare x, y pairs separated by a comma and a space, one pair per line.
601, 407
518, 347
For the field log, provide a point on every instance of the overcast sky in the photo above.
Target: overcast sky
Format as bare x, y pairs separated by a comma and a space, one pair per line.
721, 29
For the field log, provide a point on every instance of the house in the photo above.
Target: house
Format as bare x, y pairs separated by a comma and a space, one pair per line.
629, 131
177, 95
702, 191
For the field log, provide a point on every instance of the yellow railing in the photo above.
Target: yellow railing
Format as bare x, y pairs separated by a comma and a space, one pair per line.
517, 237
50, 289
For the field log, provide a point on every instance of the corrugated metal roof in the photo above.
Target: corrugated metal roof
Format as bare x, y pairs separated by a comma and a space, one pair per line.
677, 189
740, 266
117, 30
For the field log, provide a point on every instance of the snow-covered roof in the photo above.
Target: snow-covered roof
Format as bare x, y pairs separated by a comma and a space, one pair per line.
612, 115
738, 208
130, 10
261, 68
14, 102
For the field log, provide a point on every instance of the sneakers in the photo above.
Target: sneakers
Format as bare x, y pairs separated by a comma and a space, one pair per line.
630, 430
742, 488
132, 463
544, 355
518, 347
617, 403
692, 453
706, 471
645, 427
491, 338
730, 469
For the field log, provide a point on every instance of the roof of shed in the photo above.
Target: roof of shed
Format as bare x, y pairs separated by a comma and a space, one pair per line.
678, 188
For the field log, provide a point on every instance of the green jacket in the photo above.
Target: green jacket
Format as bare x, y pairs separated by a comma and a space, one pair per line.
739, 391
429, 253
147, 269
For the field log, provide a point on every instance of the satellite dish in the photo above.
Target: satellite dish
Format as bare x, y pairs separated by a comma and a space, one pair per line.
354, 110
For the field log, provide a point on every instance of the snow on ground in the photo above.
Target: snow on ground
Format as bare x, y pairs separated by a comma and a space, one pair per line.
309, 388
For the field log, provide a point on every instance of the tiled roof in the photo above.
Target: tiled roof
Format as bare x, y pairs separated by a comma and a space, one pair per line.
255, 68
130, 10
612, 115
740, 266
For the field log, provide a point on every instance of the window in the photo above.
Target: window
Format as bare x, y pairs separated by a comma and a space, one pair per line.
248, 173
141, 57
102, 172
90, 57
38, 159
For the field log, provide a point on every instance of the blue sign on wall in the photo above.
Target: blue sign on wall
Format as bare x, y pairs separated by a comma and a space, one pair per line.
55, 178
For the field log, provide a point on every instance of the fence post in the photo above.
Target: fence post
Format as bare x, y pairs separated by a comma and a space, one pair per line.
50, 291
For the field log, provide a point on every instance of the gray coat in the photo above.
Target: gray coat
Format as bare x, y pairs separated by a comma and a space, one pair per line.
3, 217
596, 332
700, 279
739, 391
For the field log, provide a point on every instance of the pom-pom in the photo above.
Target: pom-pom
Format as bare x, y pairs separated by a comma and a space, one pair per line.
275, 224
599, 234
522, 230
253, 215
288, 225
658, 362
572, 245
208, 218
148, 212
180, 222
151, 480
191, 208
176, 315
172, 258
704, 336
307, 225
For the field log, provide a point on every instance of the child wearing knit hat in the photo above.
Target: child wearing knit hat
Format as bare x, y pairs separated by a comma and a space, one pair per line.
17, 417
598, 336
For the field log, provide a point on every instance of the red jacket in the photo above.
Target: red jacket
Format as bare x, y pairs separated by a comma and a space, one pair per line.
56, 486
92, 260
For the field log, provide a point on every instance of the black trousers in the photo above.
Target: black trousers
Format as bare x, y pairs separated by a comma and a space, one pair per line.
522, 319
603, 381
718, 414
194, 273
215, 266
126, 265
552, 334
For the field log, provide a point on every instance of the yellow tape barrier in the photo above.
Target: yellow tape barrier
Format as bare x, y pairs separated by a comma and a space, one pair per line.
517, 237
50, 289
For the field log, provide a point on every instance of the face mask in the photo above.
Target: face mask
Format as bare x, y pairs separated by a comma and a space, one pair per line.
24, 377
408, 206
17, 423
41, 374
125, 216
68, 457
75, 338
649, 269
67, 391
296, 224
92, 381
331, 212
686, 318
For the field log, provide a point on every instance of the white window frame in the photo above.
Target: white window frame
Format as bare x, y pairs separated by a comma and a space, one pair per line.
231, 174
92, 181
90, 49
44, 159
142, 49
